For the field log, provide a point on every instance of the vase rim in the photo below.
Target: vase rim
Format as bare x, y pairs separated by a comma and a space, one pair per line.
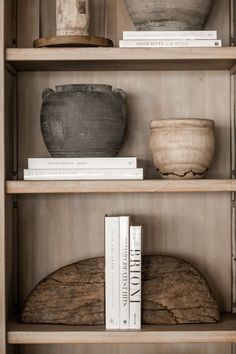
169, 122
92, 87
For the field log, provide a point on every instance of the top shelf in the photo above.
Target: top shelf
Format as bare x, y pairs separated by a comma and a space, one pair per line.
64, 59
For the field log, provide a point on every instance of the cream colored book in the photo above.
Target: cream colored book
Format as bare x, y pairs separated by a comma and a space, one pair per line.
135, 276
112, 272
84, 174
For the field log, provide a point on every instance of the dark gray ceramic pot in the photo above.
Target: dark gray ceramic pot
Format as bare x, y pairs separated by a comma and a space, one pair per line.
83, 120
169, 15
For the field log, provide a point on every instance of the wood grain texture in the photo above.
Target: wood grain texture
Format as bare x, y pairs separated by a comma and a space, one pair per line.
72, 41
2, 188
8, 24
146, 186
9, 108
66, 220
8, 87
98, 22
28, 22
50, 334
116, 20
218, 18
126, 349
176, 218
122, 58
10, 290
173, 292
69, 215
47, 18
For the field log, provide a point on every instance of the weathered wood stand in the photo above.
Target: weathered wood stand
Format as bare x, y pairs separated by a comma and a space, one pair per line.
44, 226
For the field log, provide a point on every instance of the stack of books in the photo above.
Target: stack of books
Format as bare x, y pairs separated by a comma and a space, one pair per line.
122, 273
118, 168
169, 39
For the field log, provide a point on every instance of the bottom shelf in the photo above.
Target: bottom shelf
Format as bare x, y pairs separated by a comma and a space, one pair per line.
224, 332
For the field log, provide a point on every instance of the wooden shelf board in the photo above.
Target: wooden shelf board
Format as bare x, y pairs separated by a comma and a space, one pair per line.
28, 59
145, 186
224, 332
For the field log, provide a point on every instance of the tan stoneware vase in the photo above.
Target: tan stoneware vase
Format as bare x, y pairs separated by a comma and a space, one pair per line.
170, 15
182, 148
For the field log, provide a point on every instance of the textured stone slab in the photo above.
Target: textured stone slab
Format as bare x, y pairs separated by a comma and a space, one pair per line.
173, 293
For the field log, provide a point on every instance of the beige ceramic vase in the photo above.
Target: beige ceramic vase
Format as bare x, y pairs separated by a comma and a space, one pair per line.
182, 148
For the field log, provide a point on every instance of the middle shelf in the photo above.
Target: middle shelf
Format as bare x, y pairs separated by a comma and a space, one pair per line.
144, 186
29, 59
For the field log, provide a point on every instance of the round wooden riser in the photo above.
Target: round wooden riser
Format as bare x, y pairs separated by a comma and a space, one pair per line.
73, 41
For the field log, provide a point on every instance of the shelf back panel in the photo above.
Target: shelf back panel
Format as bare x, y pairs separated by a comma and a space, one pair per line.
31, 18
57, 230
127, 349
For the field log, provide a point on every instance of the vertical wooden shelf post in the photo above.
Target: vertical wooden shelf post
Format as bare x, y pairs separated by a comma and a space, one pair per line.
2, 188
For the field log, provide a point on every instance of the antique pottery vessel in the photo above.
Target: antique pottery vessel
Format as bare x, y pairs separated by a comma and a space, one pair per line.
83, 120
170, 15
182, 148
72, 17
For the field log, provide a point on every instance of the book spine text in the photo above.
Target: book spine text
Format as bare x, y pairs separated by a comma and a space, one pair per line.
124, 272
112, 272
135, 276
170, 43
143, 35
77, 163
84, 174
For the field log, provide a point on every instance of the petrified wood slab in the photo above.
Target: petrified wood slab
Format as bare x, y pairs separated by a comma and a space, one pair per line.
173, 293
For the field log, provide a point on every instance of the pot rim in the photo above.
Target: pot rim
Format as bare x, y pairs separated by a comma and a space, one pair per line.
181, 122
95, 87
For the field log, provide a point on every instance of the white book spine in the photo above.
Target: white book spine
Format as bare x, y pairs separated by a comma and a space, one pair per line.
143, 35
76, 163
84, 174
124, 272
135, 276
170, 43
112, 272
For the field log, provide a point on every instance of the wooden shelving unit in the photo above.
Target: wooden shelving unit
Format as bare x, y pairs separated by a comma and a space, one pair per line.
45, 225
46, 334
152, 186
54, 59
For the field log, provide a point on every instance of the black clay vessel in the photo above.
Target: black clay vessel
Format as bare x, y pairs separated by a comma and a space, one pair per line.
83, 120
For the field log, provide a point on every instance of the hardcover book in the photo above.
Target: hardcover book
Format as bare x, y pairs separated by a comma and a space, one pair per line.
169, 43
77, 163
135, 276
84, 174
112, 272
137, 35
124, 272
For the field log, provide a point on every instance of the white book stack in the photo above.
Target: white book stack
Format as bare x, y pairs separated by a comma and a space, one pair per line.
169, 39
122, 273
61, 169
